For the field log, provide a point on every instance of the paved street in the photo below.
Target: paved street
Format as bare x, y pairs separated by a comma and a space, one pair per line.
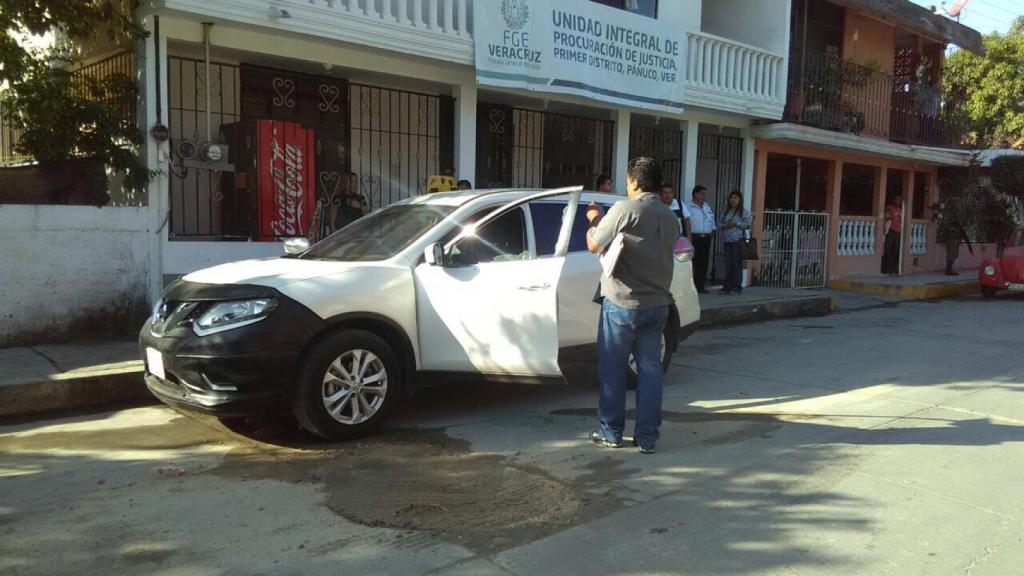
886, 441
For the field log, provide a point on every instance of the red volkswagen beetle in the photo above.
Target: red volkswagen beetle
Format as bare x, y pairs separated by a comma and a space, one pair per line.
1007, 271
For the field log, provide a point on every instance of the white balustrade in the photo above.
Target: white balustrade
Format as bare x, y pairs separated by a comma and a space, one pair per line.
447, 17
723, 64
919, 238
856, 237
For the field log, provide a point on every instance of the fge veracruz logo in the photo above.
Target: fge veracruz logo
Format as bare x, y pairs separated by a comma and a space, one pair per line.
516, 13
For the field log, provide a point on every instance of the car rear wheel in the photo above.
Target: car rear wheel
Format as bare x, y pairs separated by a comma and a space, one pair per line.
346, 386
988, 291
666, 358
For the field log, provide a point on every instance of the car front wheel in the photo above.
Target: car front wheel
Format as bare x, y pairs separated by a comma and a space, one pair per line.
988, 291
346, 385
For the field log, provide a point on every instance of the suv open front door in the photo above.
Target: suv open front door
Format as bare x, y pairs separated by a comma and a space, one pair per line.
489, 311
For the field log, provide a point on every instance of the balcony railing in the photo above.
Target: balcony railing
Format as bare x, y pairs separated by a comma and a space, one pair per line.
737, 69
828, 92
449, 17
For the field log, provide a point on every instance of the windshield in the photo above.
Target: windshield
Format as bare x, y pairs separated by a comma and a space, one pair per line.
380, 235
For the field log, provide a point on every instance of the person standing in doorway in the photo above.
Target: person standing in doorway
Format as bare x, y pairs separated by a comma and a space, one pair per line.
350, 205
637, 294
734, 224
604, 184
891, 255
668, 196
702, 227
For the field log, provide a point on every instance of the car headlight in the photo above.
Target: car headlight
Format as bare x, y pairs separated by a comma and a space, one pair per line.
230, 315
990, 270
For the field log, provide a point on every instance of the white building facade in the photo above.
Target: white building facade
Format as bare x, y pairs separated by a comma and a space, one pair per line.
391, 90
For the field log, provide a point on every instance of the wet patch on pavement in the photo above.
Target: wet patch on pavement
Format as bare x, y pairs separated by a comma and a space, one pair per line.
423, 480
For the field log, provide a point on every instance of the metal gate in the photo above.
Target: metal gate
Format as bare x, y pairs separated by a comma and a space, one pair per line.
534, 149
394, 140
794, 246
720, 169
664, 143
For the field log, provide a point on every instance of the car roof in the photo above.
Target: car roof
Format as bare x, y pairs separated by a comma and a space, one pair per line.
463, 197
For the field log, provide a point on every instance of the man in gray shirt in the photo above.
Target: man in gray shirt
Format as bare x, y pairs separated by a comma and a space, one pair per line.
637, 294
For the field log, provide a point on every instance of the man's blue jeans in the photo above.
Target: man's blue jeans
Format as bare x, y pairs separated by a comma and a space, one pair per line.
622, 331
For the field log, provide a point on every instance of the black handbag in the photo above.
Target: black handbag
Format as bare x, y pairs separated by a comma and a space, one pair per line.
748, 249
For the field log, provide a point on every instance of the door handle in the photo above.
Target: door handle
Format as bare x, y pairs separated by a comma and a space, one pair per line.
535, 287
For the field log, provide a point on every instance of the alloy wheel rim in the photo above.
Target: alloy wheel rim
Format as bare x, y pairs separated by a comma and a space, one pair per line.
354, 387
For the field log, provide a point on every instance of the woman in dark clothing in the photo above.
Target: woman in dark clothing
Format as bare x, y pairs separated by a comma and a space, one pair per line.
733, 225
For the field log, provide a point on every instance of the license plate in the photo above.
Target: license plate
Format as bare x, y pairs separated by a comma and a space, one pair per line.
155, 362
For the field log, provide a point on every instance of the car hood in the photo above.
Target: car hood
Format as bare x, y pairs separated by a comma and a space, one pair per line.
270, 272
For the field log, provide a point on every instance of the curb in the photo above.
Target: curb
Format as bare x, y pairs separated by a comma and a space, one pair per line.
927, 292
61, 395
761, 311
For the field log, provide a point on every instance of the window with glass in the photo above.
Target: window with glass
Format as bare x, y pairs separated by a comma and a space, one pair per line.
380, 235
500, 240
647, 8
547, 224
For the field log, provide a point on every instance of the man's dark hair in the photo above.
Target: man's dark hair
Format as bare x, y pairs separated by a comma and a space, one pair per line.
666, 185
601, 180
467, 183
646, 172
697, 188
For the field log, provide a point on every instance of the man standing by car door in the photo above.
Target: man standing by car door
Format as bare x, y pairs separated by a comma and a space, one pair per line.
637, 294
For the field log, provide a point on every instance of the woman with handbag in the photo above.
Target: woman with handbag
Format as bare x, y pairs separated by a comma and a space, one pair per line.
734, 223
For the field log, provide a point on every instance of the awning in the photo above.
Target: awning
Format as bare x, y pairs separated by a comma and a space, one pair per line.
853, 143
907, 15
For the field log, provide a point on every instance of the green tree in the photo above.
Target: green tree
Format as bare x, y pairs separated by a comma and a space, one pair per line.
988, 87
61, 115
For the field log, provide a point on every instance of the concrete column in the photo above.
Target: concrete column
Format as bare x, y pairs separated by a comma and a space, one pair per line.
760, 181
690, 130
156, 154
908, 202
758, 185
881, 180
747, 189
835, 190
620, 152
465, 131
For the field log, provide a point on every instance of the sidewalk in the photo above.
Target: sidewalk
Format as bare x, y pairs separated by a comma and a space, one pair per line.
39, 379
757, 304
46, 379
919, 286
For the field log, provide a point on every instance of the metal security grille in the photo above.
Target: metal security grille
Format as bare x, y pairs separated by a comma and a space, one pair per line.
719, 168
122, 64
394, 140
663, 142
202, 199
794, 247
398, 141
534, 149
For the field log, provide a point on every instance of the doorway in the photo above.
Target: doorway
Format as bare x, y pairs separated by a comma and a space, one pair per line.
719, 170
795, 232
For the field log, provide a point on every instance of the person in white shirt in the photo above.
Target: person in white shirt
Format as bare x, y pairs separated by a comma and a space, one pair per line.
668, 196
702, 227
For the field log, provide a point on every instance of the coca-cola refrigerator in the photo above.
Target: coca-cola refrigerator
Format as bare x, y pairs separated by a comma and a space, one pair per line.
275, 168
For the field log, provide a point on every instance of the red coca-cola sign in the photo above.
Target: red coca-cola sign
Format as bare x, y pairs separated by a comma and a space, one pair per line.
287, 192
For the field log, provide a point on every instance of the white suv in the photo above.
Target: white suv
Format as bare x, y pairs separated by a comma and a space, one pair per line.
496, 283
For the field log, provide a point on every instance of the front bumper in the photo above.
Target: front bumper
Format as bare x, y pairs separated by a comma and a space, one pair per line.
240, 371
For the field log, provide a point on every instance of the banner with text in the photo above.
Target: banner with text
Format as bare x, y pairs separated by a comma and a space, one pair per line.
579, 47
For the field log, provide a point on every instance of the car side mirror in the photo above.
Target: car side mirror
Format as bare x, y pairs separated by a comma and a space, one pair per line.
434, 254
296, 246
